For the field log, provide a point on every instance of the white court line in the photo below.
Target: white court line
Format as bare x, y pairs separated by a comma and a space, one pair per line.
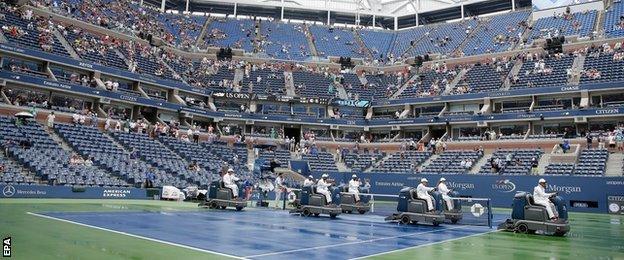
351, 243
136, 236
427, 244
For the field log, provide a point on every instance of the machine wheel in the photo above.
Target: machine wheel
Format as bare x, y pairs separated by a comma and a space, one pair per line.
522, 228
223, 207
454, 221
317, 214
559, 234
361, 211
213, 205
306, 213
405, 220
435, 223
333, 215
238, 208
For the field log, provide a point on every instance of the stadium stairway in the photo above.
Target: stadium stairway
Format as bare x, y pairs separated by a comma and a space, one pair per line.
404, 86
65, 43
202, 33
14, 168
310, 42
474, 32
3, 39
239, 74
426, 163
543, 162
61, 142
527, 33
360, 42
512, 73
615, 164
289, 83
577, 65
456, 80
478, 165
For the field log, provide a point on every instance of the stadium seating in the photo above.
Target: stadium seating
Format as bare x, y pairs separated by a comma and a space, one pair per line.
335, 42
89, 47
361, 161
485, 77
160, 156
580, 24
210, 156
559, 169
557, 76
402, 162
283, 156
231, 33
32, 33
497, 34
33, 148
444, 38
449, 162
90, 142
610, 70
13, 173
592, 162
524, 156
272, 82
312, 84
613, 21
323, 161
378, 42
404, 39
285, 41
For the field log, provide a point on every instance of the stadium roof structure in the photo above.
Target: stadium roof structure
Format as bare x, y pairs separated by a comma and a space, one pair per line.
387, 14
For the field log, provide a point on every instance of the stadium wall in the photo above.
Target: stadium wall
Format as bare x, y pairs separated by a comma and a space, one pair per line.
66, 192
583, 194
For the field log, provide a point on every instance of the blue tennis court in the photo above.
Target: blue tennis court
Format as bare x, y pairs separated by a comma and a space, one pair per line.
269, 234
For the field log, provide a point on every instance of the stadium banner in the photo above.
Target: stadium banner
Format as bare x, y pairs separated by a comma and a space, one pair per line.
65, 192
584, 194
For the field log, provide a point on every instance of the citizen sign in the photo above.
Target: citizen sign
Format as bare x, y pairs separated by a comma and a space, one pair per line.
607, 111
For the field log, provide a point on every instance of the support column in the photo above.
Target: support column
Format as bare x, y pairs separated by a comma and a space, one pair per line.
235, 9
187, 5
513, 5
162, 6
417, 22
328, 16
396, 23
374, 20
282, 12
462, 11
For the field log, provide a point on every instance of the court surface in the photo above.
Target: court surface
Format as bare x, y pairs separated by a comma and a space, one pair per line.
270, 234
98, 229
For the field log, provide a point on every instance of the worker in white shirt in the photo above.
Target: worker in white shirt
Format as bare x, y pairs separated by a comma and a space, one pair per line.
322, 187
279, 189
444, 190
229, 181
354, 187
541, 197
309, 181
422, 192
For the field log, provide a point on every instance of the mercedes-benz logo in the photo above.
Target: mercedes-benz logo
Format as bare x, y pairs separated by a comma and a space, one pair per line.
8, 191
